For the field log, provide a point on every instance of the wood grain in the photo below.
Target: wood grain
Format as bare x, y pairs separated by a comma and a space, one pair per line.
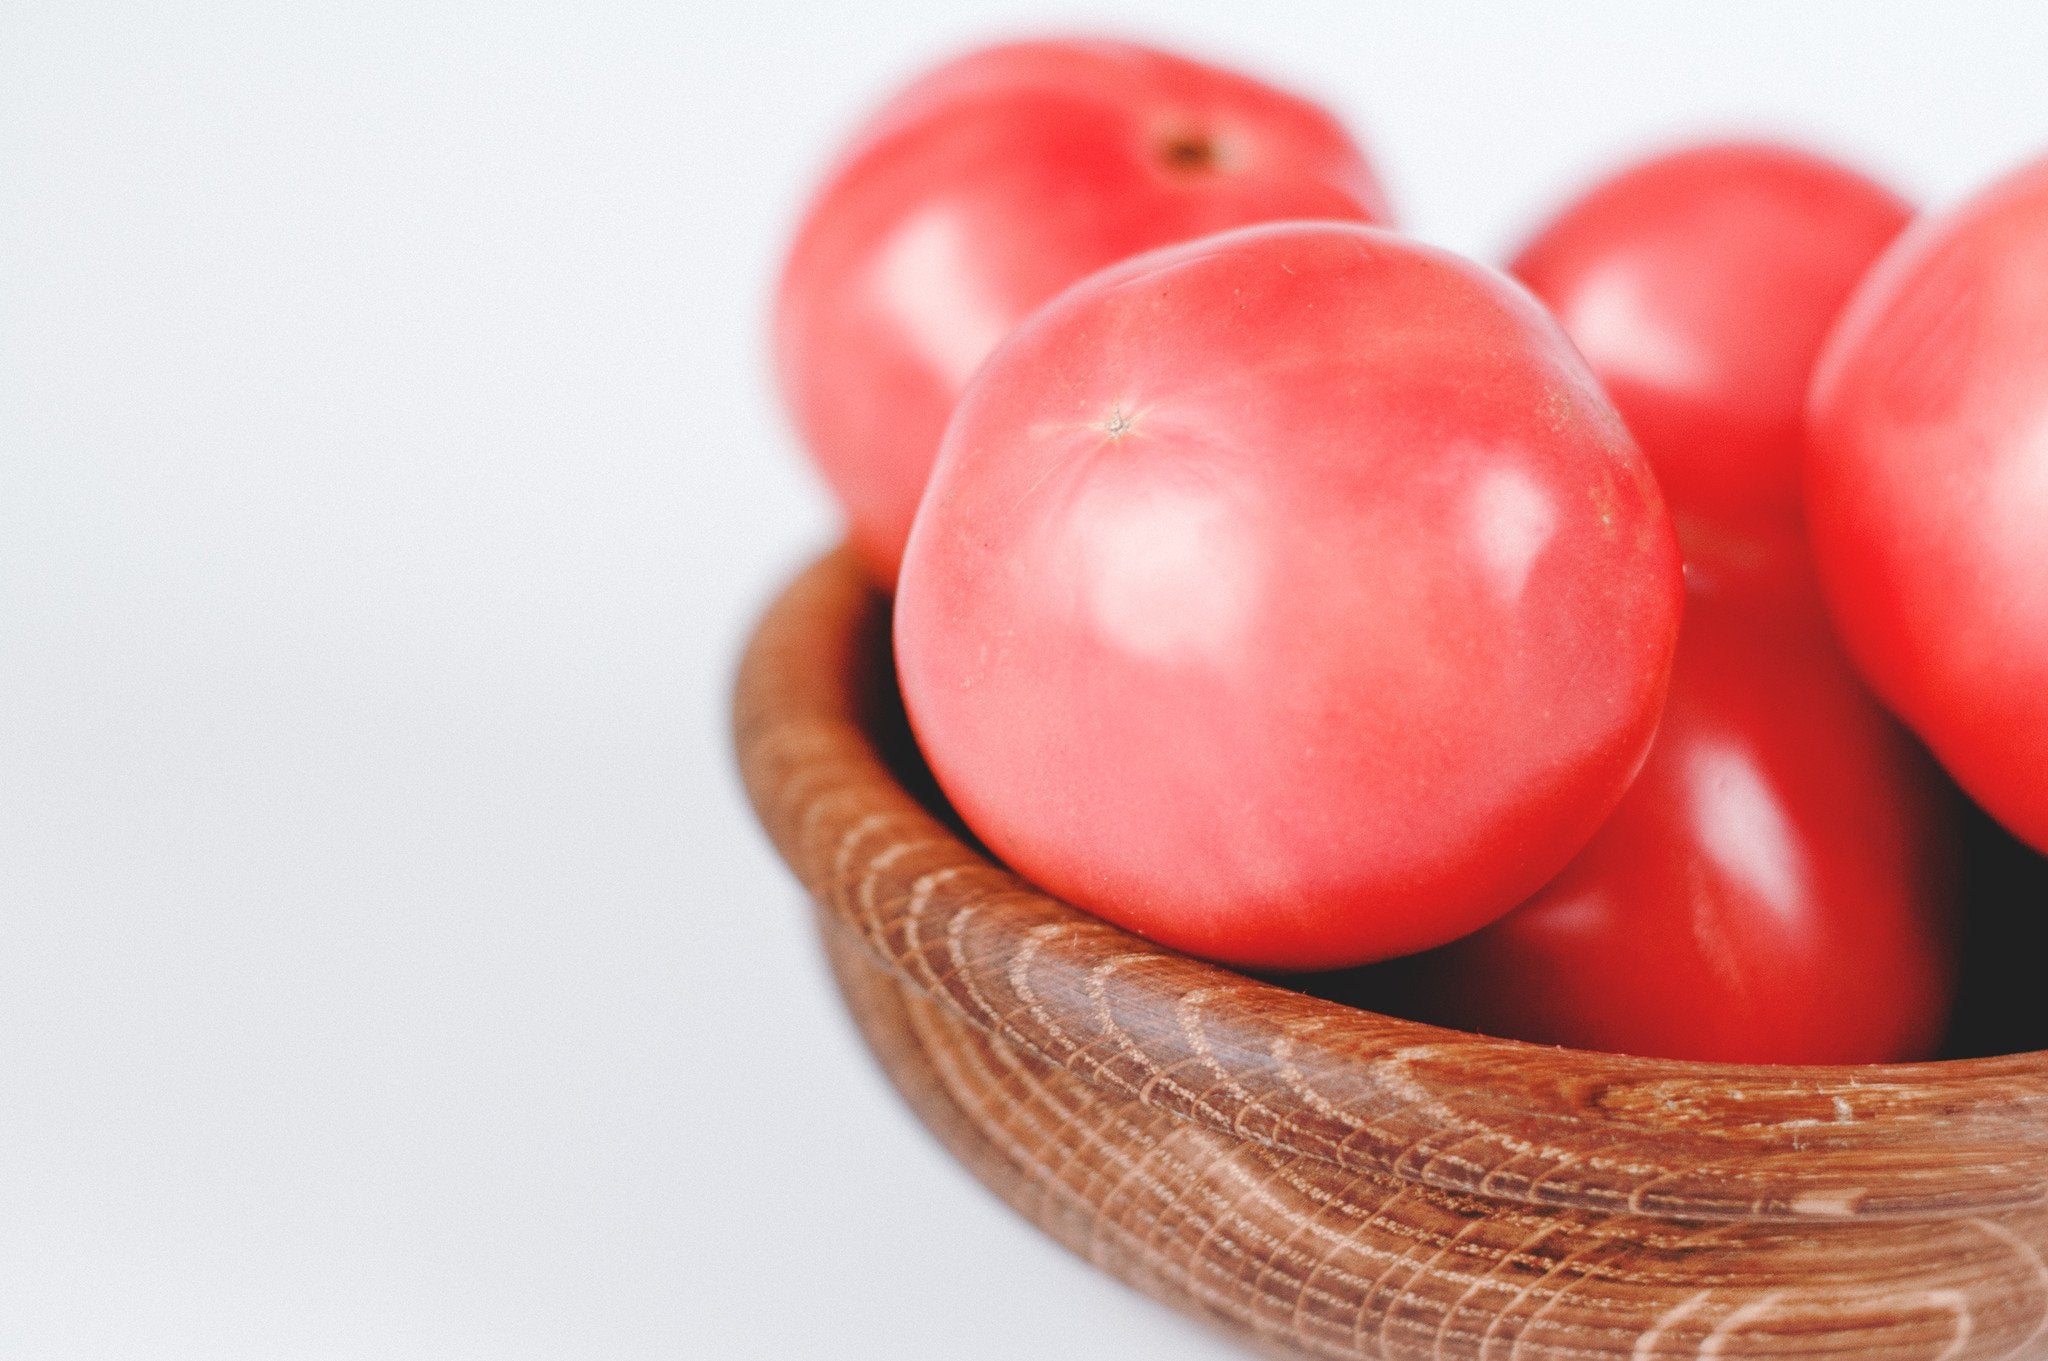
1320, 1180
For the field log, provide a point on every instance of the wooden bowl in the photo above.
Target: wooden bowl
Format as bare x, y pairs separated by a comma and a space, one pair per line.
1319, 1180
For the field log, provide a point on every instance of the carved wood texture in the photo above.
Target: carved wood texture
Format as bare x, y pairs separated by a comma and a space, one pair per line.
1323, 1181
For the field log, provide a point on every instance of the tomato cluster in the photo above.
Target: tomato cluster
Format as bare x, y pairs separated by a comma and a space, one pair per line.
1299, 595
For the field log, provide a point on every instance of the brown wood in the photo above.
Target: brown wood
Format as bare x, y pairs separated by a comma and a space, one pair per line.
1321, 1180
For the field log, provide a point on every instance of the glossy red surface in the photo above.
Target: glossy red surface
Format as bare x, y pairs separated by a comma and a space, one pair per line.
1699, 285
985, 188
1292, 597
1927, 491
1776, 887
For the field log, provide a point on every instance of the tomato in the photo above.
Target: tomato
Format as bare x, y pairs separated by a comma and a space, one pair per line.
1927, 490
1777, 887
985, 188
1699, 285
1292, 597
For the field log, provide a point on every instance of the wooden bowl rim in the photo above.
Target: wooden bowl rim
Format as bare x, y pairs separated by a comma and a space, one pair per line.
1317, 1079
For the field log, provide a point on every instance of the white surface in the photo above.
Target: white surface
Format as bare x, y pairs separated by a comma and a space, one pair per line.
388, 474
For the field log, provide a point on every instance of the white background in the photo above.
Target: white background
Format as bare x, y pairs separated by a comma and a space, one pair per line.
389, 472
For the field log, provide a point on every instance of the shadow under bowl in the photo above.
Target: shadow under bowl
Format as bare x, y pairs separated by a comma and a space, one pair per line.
1320, 1180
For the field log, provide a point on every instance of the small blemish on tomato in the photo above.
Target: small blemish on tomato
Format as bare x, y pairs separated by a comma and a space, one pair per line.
1602, 498
1557, 407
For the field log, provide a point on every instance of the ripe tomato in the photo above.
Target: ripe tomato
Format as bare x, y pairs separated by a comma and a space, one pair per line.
985, 188
1776, 887
1699, 285
1927, 491
1292, 597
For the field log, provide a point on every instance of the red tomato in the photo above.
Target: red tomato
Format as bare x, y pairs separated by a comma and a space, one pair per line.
1292, 597
1927, 491
1776, 887
1699, 286
985, 188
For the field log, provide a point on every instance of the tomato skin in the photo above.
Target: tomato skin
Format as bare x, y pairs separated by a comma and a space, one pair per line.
1292, 597
1926, 480
983, 189
1778, 886
1700, 285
